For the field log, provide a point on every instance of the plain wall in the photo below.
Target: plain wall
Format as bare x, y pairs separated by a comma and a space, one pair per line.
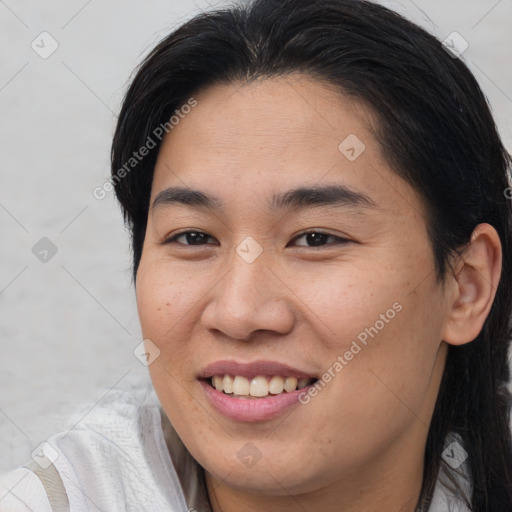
69, 325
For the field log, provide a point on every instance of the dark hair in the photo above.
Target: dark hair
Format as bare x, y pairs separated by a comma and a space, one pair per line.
436, 131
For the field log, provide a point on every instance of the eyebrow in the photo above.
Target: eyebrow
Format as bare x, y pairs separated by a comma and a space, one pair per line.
298, 198
330, 195
185, 196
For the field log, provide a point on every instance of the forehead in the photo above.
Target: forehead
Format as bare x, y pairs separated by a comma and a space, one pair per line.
252, 140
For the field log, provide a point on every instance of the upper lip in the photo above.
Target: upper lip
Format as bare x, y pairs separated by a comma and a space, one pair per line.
253, 369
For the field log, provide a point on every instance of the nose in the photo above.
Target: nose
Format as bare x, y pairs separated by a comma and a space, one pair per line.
249, 298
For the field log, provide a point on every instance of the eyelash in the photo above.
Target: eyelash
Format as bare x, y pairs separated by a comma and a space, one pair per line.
339, 240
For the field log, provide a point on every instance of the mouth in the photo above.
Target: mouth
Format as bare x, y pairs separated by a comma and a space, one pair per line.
260, 386
250, 392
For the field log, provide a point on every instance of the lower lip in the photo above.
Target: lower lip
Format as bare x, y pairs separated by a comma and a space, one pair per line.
252, 409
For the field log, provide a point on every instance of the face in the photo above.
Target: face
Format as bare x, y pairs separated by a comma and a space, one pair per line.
300, 255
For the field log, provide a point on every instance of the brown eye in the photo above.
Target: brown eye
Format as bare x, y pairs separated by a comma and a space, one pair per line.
317, 239
189, 238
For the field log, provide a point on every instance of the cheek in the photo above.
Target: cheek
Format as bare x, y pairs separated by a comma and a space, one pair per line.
379, 322
388, 370
344, 300
165, 298
165, 301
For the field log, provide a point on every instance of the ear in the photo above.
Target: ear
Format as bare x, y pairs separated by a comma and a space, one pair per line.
477, 274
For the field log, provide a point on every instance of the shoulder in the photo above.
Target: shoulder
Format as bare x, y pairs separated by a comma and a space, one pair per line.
112, 452
22, 491
115, 451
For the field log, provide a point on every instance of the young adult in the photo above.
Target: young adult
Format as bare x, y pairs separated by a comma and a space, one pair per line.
322, 262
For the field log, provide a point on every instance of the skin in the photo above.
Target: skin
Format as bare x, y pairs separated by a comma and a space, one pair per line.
358, 445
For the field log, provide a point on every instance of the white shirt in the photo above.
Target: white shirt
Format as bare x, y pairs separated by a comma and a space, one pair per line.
124, 456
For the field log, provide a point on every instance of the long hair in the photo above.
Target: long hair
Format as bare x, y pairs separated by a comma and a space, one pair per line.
436, 132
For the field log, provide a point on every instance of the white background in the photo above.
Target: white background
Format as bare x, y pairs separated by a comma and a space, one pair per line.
69, 326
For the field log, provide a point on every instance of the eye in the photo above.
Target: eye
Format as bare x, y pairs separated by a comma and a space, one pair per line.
318, 239
309, 239
189, 238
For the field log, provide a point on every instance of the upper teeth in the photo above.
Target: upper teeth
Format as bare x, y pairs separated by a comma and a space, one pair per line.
258, 386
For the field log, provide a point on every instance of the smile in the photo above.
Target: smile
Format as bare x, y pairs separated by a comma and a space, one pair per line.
253, 392
258, 387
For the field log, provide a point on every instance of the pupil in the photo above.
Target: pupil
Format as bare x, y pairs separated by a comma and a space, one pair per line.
316, 238
195, 238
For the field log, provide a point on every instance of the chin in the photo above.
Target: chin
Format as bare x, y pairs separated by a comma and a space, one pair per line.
272, 475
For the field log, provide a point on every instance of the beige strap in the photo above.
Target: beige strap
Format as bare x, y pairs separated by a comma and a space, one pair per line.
52, 484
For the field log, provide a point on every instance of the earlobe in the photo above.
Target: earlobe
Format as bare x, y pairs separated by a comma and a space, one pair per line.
475, 282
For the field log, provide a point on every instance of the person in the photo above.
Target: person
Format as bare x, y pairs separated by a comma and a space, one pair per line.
316, 193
